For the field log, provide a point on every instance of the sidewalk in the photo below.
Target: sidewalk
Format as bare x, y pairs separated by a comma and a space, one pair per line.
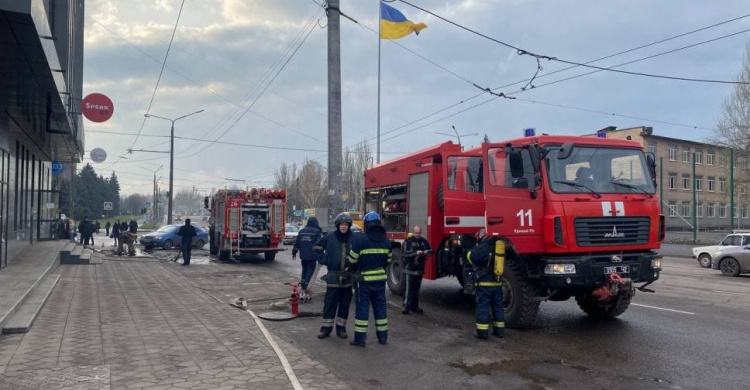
140, 323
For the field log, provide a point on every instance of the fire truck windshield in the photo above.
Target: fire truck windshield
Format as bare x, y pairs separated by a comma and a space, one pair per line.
599, 170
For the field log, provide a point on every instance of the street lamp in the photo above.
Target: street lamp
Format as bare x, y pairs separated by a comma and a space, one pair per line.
155, 203
171, 159
456, 134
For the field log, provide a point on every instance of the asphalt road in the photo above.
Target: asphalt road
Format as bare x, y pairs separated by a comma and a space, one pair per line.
692, 333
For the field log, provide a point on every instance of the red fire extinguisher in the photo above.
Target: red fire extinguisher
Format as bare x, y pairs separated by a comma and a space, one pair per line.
294, 300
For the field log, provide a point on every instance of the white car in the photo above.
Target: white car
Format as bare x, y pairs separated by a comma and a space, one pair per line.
290, 234
705, 254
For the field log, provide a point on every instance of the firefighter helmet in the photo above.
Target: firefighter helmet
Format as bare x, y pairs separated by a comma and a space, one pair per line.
342, 218
372, 216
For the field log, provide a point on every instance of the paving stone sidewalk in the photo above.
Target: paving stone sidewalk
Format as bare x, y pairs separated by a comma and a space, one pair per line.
143, 324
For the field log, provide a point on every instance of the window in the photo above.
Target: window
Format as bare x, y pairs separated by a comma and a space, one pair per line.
722, 210
732, 240
465, 174
685, 209
710, 158
686, 155
745, 214
672, 181
711, 210
672, 209
699, 210
672, 153
722, 185
507, 170
652, 149
686, 182
722, 160
699, 183
699, 157
711, 184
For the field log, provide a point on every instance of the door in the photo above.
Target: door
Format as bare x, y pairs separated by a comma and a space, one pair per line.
4, 175
511, 210
417, 201
48, 224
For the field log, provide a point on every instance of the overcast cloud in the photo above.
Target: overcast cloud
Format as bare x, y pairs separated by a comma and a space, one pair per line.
223, 47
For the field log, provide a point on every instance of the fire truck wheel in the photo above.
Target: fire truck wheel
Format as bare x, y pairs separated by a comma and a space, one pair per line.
396, 281
224, 255
518, 297
269, 255
608, 309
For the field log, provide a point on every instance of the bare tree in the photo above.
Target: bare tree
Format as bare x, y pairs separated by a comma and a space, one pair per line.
286, 178
312, 185
356, 160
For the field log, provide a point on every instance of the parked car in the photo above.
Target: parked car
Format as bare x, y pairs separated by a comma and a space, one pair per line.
166, 237
732, 261
290, 234
705, 254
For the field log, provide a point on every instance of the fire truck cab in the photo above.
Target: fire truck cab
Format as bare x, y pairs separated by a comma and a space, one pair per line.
578, 216
245, 222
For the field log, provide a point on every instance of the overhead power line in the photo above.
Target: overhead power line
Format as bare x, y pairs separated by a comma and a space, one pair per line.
539, 57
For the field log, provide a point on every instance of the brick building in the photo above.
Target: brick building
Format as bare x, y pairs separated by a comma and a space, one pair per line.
712, 180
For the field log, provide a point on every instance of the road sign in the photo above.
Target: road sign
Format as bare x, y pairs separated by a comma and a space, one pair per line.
344, 197
297, 213
108, 206
97, 107
98, 155
57, 168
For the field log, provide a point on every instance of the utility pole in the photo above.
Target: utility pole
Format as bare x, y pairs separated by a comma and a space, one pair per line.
334, 109
695, 205
731, 189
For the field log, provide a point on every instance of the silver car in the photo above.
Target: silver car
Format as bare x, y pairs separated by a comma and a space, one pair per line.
732, 261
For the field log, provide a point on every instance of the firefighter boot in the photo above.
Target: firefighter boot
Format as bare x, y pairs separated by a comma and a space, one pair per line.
357, 343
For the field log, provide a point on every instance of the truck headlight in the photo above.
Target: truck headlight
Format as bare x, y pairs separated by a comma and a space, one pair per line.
560, 269
656, 263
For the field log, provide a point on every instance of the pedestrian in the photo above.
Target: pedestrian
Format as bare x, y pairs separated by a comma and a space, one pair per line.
126, 238
116, 231
416, 250
306, 240
331, 251
487, 261
97, 227
187, 232
370, 255
106, 227
133, 226
82, 229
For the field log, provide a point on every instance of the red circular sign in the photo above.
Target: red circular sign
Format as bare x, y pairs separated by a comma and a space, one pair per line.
97, 107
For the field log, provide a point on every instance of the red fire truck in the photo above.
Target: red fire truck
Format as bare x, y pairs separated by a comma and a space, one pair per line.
578, 216
247, 222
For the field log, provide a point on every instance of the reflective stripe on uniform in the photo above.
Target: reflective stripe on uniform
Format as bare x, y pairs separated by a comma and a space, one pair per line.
374, 275
498, 324
483, 326
353, 256
375, 251
390, 257
489, 284
360, 322
317, 248
360, 329
381, 328
382, 321
340, 321
468, 258
328, 322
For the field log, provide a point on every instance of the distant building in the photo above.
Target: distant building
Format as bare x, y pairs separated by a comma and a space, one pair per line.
712, 180
41, 82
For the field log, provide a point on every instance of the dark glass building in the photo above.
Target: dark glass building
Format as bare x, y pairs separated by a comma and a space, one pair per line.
41, 82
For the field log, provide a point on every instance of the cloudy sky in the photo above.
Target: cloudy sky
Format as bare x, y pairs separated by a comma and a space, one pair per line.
223, 52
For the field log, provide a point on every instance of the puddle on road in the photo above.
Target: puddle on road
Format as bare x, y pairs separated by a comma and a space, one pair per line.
528, 369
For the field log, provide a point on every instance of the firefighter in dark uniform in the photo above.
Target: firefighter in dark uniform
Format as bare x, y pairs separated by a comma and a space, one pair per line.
306, 240
416, 250
331, 251
486, 259
370, 255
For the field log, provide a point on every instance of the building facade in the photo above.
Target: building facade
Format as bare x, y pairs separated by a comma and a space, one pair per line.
712, 182
41, 82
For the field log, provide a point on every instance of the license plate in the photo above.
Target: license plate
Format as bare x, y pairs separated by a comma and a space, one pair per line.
618, 269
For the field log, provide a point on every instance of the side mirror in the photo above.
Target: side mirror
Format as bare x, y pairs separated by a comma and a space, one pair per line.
535, 158
651, 161
565, 151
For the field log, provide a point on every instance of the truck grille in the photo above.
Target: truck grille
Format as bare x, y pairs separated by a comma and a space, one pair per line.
600, 231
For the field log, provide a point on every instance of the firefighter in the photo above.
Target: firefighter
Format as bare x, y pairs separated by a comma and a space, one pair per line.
306, 240
187, 232
369, 256
106, 227
488, 286
126, 238
331, 251
416, 249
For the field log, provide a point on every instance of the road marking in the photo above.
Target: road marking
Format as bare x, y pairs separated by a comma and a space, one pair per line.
279, 353
662, 308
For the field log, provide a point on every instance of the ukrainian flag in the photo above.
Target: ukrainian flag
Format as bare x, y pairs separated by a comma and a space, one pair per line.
394, 25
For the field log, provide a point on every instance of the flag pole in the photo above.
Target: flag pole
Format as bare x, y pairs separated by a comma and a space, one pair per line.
380, 16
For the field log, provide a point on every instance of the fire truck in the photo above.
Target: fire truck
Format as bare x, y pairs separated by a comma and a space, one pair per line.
246, 222
578, 217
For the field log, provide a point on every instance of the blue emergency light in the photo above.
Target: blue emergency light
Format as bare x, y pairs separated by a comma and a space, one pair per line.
601, 134
529, 132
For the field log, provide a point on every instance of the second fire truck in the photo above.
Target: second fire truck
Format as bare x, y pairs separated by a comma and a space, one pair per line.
578, 217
